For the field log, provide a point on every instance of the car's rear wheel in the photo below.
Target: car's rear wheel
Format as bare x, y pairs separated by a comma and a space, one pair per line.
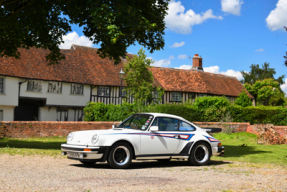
120, 156
200, 154
88, 163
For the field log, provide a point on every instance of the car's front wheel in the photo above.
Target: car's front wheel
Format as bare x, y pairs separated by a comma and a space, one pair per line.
120, 156
200, 154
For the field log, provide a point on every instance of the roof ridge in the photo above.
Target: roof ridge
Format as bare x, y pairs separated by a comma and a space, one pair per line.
74, 45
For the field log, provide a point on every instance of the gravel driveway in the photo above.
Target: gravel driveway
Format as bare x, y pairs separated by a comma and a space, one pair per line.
39, 173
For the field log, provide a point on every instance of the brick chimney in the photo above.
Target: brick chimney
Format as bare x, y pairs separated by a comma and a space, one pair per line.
196, 63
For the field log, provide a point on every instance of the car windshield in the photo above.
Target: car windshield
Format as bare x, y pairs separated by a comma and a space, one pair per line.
137, 121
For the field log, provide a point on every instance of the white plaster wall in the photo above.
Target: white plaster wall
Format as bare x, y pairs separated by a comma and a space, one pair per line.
47, 114
8, 112
64, 98
10, 96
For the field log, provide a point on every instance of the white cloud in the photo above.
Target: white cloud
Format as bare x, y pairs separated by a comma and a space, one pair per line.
231, 6
284, 86
182, 57
184, 67
178, 44
161, 63
74, 38
260, 50
181, 22
215, 69
171, 57
277, 18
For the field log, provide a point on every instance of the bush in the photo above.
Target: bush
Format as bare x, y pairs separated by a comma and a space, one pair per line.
243, 99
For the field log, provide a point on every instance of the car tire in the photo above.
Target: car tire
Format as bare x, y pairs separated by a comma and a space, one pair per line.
200, 154
120, 156
88, 163
163, 160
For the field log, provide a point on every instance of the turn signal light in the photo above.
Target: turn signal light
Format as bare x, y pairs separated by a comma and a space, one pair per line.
219, 144
87, 149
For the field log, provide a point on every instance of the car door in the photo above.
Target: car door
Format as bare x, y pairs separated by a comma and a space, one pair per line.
163, 141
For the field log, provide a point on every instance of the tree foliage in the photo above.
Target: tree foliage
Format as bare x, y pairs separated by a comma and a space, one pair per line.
286, 53
114, 25
139, 79
258, 73
243, 99
266, 92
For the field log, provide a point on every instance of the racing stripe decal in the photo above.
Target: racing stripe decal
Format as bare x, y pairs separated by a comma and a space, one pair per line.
167, 135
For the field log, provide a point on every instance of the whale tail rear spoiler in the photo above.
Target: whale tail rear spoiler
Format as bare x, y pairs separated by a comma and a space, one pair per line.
212, 130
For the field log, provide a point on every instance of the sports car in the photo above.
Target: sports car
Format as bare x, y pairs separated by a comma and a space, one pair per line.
143, 136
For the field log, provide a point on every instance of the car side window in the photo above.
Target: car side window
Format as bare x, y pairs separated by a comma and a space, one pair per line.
183, 126
167, 124
154, 122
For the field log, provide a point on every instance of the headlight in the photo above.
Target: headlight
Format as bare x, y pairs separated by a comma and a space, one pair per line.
95, 138
70, 137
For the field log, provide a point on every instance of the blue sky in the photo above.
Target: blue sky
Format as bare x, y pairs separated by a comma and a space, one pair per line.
229, 35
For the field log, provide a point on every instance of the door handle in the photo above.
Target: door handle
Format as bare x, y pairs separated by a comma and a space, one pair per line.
176, 136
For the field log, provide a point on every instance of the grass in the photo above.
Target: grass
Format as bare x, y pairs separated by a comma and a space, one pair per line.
32, 146
243, 147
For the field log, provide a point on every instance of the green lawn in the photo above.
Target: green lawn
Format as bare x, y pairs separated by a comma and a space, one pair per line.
238, 147
243, 147
32, 146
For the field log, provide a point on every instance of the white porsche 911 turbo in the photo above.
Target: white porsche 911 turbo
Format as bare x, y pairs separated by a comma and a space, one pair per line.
144, 136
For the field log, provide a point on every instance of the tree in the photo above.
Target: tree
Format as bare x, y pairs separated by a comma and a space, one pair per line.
139, 79
258, 73
266, 92
114, 25
243, 99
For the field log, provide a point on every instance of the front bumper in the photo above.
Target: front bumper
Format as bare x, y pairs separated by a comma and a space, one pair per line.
85, 153
218, 151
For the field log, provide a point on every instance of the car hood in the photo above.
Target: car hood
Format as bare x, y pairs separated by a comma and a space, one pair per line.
84, 137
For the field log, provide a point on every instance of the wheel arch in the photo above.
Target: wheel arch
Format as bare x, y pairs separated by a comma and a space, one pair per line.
203, 141
127, 142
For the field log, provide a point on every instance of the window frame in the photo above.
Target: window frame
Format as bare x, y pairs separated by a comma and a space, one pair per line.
76, 85
172, 96
32, 80
121, 92
109, 91
3, 85
55, 82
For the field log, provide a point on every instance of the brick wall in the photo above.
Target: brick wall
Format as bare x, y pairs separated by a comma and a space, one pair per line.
19, 129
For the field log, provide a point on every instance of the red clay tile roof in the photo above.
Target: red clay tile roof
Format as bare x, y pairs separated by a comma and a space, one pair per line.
196, 81
82, 65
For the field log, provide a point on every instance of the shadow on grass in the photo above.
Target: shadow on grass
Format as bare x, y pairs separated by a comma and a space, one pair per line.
150, 164
15, 143
236, 151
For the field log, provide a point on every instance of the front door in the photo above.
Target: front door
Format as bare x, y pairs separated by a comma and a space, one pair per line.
164, 141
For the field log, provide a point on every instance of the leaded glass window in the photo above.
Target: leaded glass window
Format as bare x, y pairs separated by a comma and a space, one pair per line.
77, 89
34, 85
104, 91
122, 92
176, 96
54, 87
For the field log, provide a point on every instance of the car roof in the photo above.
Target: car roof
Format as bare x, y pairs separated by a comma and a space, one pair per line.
163, 115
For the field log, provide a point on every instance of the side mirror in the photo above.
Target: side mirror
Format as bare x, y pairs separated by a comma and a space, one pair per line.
153, 128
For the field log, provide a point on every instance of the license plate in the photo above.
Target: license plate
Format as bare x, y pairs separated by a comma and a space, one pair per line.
74, 155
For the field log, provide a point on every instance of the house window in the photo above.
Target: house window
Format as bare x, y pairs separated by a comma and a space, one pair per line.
1, 85
201, 95
34, 86
123, 92
77, 89
79, 114
103, 91
176, 96
191, 96
62, 115
155, 94
54, 87
1, 115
